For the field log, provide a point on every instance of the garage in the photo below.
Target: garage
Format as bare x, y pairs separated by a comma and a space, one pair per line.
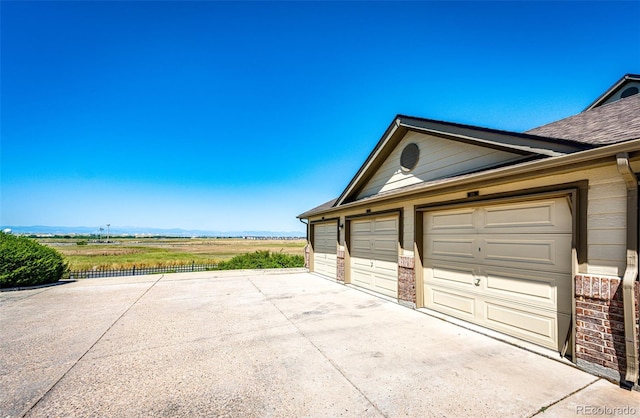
325, 239
374, 254
504, 266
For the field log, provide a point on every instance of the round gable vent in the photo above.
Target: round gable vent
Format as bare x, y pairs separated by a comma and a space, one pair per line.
629, 92
409, 157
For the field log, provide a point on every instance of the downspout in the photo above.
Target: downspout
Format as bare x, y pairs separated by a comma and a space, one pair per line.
631, 272
307, 237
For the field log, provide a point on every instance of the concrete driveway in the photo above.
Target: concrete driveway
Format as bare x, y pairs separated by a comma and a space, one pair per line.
255, 343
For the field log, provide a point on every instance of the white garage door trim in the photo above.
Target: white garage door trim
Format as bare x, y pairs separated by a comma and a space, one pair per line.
374, 253
325, 241
504, 266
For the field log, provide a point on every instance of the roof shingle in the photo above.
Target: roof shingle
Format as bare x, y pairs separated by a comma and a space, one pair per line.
607, 124
318, 209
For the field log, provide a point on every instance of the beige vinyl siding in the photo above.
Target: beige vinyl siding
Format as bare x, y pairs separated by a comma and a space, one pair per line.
606, 219
439, 158
408, 227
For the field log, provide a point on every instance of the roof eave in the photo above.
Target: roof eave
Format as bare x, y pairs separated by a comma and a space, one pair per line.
401, 124
607, 94
489, 143
391, 130
553, 146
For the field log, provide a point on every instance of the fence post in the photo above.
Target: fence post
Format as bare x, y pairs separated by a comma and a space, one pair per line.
192, 265
134, 270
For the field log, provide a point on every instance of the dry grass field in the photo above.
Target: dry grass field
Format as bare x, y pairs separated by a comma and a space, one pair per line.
144, 252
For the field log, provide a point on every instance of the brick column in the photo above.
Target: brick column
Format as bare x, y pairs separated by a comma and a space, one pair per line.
340, 266
306, 256
407, 281
600, 346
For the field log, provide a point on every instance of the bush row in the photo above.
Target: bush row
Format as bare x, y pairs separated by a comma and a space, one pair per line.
24, 262
262, 260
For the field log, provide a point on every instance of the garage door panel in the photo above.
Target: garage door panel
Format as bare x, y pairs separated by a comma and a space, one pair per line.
541, 216
386, 268
386, 249
385, 226
520, 251
360, 227
361, 247
524, 286
386, 285
382, 249
460, 220
529, 325
361, 264
547, 252
452, 248
459, 305
361, 278
450, 274
545, 290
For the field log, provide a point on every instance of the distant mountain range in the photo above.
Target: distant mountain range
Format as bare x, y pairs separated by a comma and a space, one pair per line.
118, 230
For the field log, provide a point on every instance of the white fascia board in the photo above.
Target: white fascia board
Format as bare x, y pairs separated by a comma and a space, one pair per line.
373, 157
486, 142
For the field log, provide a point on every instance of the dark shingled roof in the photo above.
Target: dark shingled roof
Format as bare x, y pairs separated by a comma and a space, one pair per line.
318, 209
611, 123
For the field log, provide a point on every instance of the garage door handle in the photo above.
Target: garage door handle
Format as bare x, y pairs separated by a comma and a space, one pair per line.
477, 281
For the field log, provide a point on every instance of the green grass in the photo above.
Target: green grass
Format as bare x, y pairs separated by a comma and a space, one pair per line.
138, 256
149, 252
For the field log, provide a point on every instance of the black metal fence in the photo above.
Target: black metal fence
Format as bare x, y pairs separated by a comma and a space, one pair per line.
139, 271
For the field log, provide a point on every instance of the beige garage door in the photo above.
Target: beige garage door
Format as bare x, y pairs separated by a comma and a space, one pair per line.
325, 248
505, 266
374, 254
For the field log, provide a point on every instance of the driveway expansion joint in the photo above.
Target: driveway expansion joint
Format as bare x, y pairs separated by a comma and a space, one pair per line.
333, 364
44, 395
544, 408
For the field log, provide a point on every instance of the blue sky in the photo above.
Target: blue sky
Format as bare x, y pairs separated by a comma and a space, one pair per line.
234, 116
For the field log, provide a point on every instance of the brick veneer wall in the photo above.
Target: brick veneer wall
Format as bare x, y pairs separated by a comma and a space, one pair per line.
340, 266
406, 279
306, 256
600, 325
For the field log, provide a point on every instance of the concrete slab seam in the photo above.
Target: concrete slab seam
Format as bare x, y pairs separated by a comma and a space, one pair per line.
89, 349
544, 408
333, 364
36, 287
20, 299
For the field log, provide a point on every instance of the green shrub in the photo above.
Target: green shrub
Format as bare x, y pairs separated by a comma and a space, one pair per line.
24, 262
82, 242
262, 260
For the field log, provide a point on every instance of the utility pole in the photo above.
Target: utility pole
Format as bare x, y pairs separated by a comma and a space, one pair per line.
108, 225
100, 234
